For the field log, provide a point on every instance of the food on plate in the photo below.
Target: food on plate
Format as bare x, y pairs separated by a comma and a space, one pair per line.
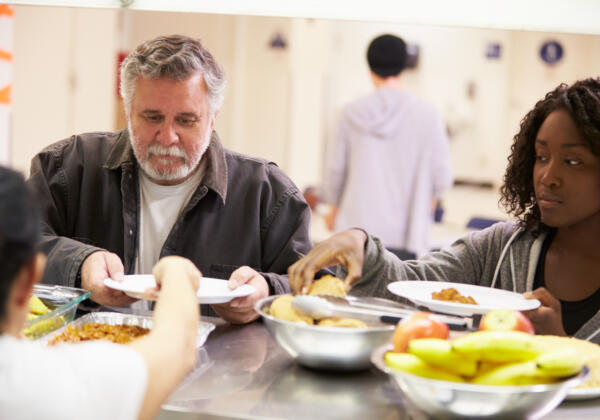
419, 325
328, 285
490, 358
281, 308
96, 331
342, 322
506, 320
452, 295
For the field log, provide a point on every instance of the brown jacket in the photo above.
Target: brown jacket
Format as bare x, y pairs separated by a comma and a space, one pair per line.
246, 211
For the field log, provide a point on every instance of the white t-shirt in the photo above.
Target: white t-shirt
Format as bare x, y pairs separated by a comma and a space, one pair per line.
93, 380
160, 206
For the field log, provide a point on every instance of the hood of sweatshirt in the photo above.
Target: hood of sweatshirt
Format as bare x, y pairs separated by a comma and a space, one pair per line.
382, 112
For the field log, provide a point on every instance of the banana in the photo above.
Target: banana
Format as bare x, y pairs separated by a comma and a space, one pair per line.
36, 306
521, 373
498, 346
438, 352
410, 363
559, 363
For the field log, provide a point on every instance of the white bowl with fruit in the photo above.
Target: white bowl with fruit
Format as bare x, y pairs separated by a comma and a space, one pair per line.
504, 373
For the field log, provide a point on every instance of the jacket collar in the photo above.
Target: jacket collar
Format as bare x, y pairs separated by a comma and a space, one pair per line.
121, 154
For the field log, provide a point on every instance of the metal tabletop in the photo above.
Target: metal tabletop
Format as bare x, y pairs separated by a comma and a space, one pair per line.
242, 373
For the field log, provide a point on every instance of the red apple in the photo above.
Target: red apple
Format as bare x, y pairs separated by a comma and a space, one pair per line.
506, 320
419, 325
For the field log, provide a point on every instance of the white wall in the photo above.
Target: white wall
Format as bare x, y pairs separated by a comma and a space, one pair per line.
530, 79
283, 104
64, 76
217, 33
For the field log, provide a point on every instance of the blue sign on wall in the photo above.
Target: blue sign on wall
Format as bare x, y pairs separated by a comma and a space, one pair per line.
551, 52
493, 50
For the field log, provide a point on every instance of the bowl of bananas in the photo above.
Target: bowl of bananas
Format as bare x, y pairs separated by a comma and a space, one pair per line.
483, 375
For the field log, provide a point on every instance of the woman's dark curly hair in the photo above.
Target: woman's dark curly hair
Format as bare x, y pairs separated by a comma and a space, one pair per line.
582, 101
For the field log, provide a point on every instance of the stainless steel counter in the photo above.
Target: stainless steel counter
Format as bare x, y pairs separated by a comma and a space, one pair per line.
242, 373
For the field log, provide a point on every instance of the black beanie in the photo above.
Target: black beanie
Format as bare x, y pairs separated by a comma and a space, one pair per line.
387, 55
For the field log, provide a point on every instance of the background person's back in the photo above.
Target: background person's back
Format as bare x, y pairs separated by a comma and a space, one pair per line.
391, 159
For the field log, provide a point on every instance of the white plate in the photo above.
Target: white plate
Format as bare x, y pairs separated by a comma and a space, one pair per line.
210, 290
487, 298
575, 394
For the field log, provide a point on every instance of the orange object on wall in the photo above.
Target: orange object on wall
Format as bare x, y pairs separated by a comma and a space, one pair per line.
6, 10
5, 95
6, 55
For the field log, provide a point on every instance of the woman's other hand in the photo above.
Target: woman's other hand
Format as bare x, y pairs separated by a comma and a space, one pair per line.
547, 319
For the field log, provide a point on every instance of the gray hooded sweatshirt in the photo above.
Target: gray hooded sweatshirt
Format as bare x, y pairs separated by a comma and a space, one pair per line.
391, 158
504, 256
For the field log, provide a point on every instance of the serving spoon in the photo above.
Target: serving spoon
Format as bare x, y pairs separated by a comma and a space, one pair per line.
319, 307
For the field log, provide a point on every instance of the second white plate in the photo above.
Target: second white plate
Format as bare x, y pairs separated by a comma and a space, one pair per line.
210, 290
487, 298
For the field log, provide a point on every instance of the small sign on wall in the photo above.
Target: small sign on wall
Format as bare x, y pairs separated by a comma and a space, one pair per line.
551, 52
493, 50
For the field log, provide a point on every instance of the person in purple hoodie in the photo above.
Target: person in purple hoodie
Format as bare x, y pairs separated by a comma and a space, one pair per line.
391, 159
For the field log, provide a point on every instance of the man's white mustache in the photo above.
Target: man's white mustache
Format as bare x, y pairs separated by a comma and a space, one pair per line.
156, 149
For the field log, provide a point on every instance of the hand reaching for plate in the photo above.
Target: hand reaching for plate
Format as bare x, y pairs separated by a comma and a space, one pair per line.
241, 310
173, 267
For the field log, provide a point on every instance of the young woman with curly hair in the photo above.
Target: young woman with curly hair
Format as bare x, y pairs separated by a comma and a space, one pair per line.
549, 252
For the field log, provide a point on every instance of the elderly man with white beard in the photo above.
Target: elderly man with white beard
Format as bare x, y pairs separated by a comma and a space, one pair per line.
115, 203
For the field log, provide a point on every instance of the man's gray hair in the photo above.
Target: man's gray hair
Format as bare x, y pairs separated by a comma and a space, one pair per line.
174, 57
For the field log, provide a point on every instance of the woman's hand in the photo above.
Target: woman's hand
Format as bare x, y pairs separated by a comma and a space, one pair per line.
345, 248
547, 319
175, 269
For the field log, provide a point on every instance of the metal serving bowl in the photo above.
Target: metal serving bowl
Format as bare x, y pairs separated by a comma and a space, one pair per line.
330, 348
451, 400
